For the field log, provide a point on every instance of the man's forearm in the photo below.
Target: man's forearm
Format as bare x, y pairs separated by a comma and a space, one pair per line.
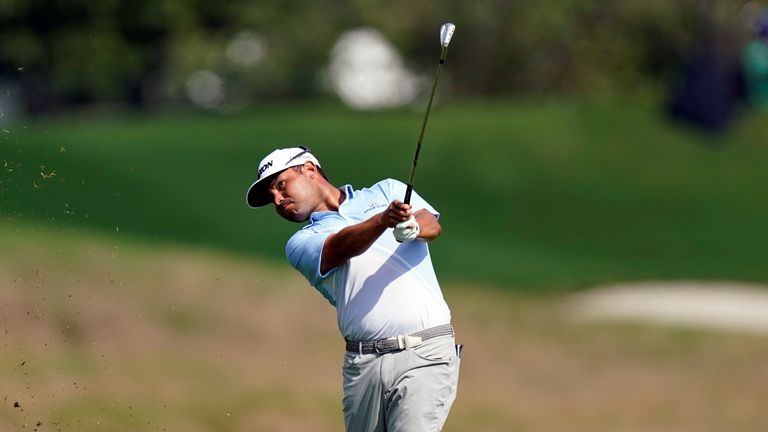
430, 227
350, 242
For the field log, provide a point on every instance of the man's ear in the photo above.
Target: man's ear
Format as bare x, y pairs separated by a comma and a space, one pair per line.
310, 168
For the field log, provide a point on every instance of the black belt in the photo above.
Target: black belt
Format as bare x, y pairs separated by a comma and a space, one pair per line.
398, 343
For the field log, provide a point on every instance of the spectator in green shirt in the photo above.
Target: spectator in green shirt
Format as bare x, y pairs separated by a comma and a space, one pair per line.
755, 65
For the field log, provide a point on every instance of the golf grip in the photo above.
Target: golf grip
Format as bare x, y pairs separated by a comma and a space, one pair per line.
408, 191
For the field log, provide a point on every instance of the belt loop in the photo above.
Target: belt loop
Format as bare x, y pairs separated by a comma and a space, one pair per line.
360, 347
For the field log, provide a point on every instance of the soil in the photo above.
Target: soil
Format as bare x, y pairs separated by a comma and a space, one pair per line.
122, 337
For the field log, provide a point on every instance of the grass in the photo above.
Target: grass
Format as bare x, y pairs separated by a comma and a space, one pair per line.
266, 353
545, 195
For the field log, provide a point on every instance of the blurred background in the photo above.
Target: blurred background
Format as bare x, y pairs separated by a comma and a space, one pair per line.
599, 167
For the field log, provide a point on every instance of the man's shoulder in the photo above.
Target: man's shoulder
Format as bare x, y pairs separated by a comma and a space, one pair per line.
319, 222
318, 227
385, 187
369, 199
387, 183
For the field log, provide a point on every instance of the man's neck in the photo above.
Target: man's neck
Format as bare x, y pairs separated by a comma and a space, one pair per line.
333, 198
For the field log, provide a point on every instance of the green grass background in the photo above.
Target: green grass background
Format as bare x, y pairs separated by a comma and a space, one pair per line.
534, 195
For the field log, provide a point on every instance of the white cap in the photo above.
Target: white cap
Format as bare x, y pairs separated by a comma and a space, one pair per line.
275, 163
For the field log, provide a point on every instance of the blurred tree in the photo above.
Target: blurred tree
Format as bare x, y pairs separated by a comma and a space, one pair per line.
142, 52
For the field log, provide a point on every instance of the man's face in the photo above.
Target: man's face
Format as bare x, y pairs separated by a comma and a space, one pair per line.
294, 193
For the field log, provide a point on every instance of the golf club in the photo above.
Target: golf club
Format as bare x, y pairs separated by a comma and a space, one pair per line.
446, 33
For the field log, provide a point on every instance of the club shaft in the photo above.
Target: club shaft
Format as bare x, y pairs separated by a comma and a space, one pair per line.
409, 188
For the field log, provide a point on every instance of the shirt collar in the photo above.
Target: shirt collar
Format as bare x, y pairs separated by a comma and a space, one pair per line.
348, 190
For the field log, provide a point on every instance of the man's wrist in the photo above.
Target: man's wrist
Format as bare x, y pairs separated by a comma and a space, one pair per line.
381, 222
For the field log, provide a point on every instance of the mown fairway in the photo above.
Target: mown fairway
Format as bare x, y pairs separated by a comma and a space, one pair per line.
534, 196
100, 333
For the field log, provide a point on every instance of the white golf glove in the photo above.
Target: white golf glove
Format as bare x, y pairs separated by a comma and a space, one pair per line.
407, 231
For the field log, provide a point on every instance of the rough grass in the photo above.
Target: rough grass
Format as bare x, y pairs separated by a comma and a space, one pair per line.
542, 195
111, 333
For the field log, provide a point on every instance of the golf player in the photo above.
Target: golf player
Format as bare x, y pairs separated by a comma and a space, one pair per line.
366, 252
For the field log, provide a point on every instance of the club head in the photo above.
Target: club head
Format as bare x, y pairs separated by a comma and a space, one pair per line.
446, 33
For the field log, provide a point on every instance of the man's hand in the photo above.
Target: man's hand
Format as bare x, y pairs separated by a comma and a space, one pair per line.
398, 216
407, 231
396, 212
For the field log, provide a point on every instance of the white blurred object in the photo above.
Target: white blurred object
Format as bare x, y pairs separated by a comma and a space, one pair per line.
367, 73
205, 89
246, 49
717, 305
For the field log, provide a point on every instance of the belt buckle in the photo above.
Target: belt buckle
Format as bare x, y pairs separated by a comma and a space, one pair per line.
412, 341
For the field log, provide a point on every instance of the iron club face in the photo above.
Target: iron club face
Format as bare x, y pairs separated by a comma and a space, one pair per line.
446, 33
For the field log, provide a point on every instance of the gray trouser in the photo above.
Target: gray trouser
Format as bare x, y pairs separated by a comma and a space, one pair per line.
410, 390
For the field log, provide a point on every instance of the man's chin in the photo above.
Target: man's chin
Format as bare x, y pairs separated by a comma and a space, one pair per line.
295, 217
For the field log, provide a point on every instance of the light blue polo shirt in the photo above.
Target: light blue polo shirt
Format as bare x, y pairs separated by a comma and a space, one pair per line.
389, 290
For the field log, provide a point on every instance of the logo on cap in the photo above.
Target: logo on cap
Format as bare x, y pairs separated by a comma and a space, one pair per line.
264, 167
